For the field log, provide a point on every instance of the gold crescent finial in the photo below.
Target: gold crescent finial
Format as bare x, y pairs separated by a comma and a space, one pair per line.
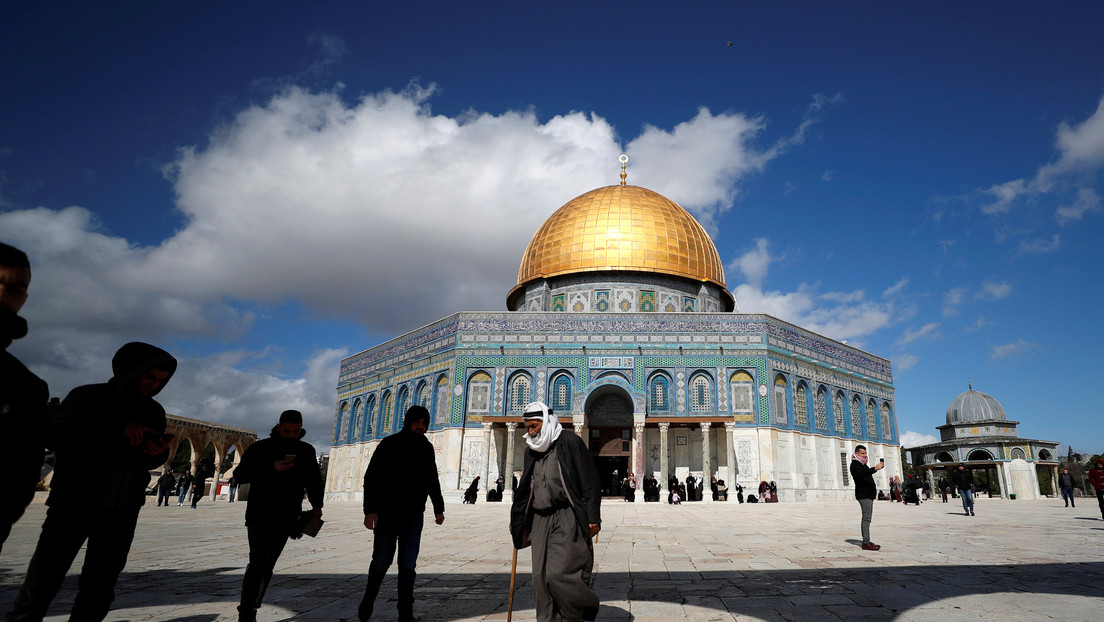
624, 159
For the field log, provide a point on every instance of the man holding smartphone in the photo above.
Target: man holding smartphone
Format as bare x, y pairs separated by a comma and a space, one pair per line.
118, 427
278, 469
865, 491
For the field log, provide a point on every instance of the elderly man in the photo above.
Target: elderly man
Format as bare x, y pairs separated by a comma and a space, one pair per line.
558, 507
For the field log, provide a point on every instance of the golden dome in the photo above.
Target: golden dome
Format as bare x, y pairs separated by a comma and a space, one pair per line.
621, 228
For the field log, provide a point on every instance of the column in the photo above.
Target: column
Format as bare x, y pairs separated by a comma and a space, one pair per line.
707, 465
733, 468
1054, 482
215, 476
664, 467
638, 461
1002, 482
511, 431
487, 439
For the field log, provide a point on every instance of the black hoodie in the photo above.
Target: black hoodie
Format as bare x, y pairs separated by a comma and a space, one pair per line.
86, 434
276, 497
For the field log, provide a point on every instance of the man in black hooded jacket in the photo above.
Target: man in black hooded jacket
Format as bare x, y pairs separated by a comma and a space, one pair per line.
23, 397
119, 429
278, 470
396, 513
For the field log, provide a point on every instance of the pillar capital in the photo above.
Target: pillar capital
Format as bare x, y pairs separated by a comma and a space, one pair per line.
730, 426
487, 425
511, 426
664, 426
705, 425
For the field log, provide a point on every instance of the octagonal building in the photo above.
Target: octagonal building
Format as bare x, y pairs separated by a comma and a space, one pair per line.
622, 322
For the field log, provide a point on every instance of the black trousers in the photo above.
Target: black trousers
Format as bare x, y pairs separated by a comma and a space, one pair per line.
266, 542
108, 533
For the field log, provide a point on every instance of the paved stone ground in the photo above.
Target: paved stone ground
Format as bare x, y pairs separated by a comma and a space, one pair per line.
1016, 560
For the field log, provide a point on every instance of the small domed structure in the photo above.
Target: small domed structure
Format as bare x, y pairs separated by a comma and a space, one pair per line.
974, 407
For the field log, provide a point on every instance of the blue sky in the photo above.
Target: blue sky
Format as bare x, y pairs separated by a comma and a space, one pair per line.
264, 188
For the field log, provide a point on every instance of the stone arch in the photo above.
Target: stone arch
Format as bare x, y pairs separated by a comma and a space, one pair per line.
944, 456
1045, 455
1018, 453
979, 454
603, 384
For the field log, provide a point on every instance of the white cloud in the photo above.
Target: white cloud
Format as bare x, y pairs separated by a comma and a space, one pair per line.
1087, 201
991, 290
1041, 246
927, 331
821, 313
917, 439
1080, 149
754, 263
896, 288
1011, 349
903, 361
978, 325
952, 299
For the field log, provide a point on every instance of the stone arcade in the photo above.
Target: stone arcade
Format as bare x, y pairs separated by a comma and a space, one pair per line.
621, 321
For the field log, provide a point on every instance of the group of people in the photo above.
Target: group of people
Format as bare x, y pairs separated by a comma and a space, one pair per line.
118, 428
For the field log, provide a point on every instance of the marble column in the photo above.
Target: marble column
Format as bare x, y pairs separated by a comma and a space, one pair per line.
638, 461
511, 434
730, 451
707, 465
488, 438
664, 473
215, 477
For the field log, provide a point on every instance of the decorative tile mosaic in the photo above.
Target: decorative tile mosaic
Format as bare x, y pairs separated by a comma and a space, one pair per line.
602, 300
689, 304
558, 302
647, 301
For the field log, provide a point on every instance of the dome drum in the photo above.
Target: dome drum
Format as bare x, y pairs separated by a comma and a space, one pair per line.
620, 292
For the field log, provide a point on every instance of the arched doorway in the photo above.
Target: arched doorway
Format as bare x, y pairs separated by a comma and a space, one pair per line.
609, 413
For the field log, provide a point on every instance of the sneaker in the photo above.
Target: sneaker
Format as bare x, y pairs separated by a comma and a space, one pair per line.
972, 513
870, 546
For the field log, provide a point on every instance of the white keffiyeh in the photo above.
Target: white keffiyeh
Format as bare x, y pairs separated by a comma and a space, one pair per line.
550, 426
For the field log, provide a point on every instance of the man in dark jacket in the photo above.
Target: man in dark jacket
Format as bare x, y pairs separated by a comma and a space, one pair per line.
866, 491
278, 470
23, 397
184, 485
396, 513
118, 429
1096, 478
558, 507
964, 481
1065, 483
165, 485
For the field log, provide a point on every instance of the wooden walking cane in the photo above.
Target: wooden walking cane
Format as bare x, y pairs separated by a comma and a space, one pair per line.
513, 575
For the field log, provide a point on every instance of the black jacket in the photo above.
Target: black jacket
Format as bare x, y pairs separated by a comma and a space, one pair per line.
863, 475
166, 482
581, 481
277, 496
86, 432
23, 398
963, 479
1065, 480
401, 475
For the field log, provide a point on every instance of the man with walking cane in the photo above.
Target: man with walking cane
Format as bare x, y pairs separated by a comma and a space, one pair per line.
557, 507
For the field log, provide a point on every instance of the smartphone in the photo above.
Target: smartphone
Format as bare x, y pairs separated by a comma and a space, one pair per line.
882, 461
290, 457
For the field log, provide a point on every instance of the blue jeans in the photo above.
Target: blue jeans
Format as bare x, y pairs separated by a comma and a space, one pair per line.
406, 533
967, 500
1067, 496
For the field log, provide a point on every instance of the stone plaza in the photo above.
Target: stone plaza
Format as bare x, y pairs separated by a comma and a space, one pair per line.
1016, 560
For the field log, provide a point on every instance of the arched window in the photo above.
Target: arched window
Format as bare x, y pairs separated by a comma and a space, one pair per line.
659, 395
820, 409
856, 416
1044, 454
781, 410
479, 392
742, 387
441, 412
369, 417
871, 409
388, 411
342, 427
521, 392
700, 394
979, 454
801, 415
1018, 454
561, 394
944, 456
837, 413
401, 405
421, 396
887, 431
356, 423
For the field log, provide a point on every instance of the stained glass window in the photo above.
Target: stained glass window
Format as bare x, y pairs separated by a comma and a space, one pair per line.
699, 394
820, 409
743, 389
801, 415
